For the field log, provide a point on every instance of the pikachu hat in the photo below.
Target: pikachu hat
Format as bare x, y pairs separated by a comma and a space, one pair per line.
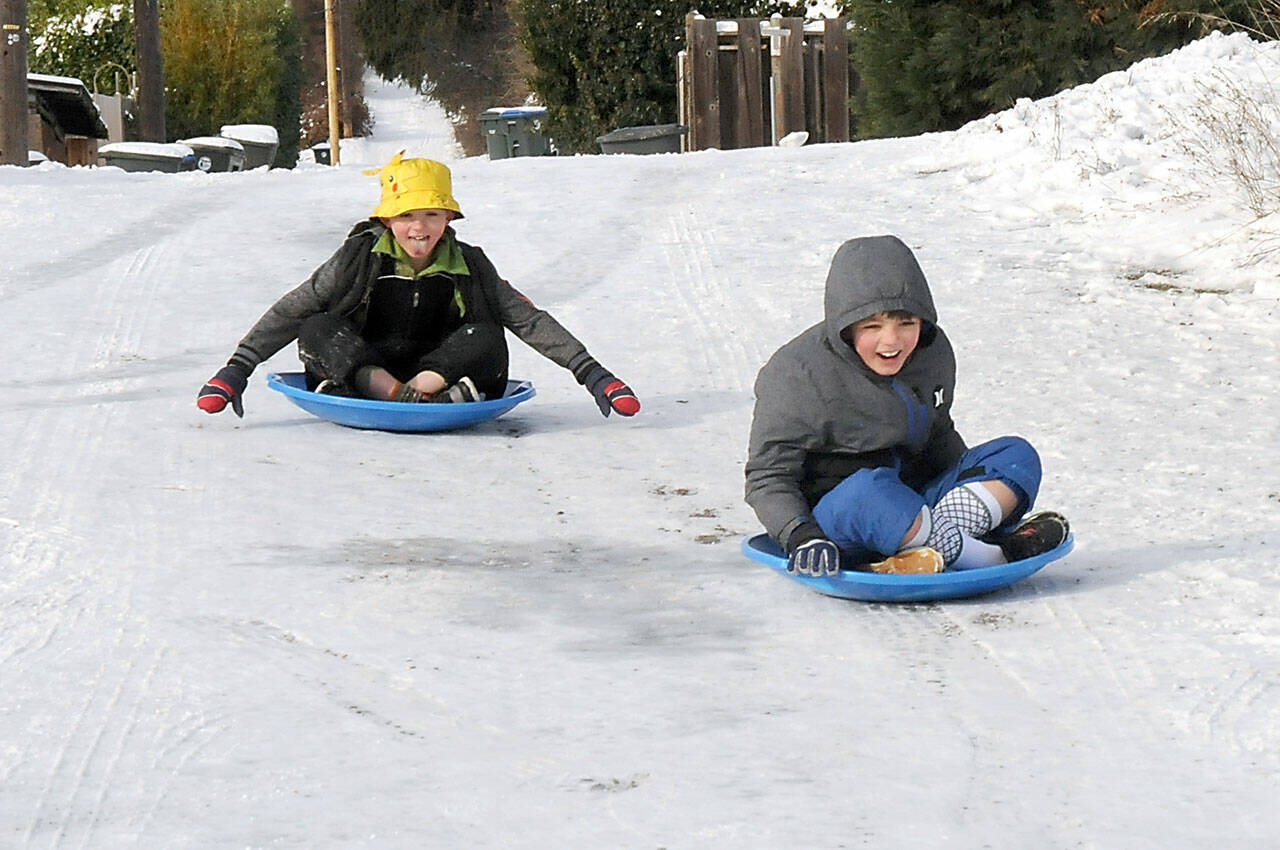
414, 184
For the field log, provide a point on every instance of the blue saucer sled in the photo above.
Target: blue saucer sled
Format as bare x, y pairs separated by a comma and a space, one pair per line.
396, 415
878, 587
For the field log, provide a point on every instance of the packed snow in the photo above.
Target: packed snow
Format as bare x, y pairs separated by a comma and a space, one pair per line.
540, 632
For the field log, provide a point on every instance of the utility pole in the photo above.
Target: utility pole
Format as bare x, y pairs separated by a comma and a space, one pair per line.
14, 135
331, 79
146, 33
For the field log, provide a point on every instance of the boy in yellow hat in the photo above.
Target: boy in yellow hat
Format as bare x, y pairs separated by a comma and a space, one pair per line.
404, 311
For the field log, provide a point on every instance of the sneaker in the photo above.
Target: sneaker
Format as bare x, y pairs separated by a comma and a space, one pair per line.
463, 390
1035, 535
920, 560
330, 387
404, 392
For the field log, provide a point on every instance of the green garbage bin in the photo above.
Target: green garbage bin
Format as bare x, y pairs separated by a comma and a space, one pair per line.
216, 153
515, 131
149, 156
656, 138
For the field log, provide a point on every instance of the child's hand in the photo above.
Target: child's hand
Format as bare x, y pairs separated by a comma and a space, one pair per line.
226, 386
817, 557
610, 393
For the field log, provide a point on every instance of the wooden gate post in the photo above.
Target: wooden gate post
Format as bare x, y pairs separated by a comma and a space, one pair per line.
750, 130
704, 131
835, 81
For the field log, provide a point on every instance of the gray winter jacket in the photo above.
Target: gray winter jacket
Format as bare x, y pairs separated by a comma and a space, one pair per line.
344, 283
821, 413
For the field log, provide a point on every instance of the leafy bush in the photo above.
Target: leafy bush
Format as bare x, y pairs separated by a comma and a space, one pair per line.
94, 41
231, 62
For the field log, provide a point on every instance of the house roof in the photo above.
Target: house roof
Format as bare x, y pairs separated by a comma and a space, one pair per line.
68, 102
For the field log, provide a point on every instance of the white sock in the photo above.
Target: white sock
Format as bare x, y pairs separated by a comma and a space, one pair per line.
974, 553
926, 528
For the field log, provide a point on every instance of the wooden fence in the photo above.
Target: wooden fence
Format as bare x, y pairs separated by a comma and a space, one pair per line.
749, 82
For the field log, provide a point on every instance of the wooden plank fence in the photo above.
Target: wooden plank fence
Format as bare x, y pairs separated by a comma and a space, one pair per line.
750, 81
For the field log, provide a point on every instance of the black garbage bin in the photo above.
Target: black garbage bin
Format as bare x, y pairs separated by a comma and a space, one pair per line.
322, 151
655, 138
216, 153
515, 131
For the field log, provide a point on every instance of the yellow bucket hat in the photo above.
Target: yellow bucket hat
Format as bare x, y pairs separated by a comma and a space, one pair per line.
414, 184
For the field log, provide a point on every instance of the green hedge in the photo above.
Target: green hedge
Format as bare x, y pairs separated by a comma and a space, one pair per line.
231, 62
928, 65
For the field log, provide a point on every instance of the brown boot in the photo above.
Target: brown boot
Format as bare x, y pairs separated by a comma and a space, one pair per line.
918, 561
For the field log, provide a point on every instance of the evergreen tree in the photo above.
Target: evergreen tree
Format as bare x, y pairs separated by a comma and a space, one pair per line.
927, 65
288, 95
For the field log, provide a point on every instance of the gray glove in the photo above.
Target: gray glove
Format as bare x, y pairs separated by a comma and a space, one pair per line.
817, 557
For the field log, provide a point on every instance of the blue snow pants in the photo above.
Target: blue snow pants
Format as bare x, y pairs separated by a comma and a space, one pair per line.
868, 513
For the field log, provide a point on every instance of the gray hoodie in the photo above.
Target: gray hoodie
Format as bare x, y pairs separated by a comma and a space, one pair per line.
821, 413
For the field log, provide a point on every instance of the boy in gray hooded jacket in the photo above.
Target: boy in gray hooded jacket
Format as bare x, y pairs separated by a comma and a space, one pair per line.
853, 452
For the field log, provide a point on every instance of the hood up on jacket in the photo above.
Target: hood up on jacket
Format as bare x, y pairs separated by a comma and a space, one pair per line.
875, 274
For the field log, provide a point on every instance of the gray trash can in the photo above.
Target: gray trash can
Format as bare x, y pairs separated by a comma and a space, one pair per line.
656, 138
216, 153
515, 131
149, 156
258, 140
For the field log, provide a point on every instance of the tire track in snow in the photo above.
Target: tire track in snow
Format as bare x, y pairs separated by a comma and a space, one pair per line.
698, 275
1245, 713
85, 767
93, 744
136, 274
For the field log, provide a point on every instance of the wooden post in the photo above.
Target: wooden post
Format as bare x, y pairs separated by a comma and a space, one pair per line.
15, 139
790, 70
331, 80
704, 132
835, 81
813, 87
750, 129
146, 30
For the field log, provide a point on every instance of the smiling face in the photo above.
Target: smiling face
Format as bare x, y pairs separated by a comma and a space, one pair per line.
885, 341
418, 232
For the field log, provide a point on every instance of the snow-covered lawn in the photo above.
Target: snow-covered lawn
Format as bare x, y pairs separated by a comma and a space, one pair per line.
539, 632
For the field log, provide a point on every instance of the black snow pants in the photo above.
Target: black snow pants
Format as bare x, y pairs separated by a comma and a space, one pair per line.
331, 348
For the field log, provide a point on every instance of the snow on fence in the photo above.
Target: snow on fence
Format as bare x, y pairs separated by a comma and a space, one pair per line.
751, 81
